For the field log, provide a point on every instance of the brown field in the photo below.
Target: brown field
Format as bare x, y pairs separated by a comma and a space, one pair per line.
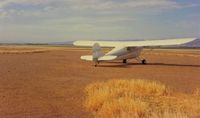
48, 82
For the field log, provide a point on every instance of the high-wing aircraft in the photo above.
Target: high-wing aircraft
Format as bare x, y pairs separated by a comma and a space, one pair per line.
123, 50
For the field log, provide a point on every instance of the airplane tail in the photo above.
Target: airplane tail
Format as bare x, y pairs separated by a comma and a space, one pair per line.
98, 55
96, 52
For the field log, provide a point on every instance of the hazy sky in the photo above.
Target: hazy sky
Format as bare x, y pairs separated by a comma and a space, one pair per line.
62, 20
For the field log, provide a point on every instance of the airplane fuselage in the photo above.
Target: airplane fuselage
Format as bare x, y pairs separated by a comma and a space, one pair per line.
125, 52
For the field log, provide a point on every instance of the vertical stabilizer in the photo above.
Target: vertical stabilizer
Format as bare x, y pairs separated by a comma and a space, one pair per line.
97, 53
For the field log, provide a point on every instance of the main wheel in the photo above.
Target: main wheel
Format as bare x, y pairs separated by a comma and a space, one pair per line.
124, 61
144, 61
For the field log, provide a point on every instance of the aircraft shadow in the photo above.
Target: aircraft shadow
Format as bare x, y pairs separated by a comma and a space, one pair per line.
119, 64
181, 65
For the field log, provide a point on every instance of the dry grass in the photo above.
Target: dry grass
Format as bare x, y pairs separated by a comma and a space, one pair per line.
15, 49
139, 99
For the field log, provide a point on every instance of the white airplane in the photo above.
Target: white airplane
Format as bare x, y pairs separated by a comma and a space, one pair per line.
123, 50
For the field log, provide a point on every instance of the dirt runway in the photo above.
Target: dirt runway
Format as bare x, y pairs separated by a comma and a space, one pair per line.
51, 83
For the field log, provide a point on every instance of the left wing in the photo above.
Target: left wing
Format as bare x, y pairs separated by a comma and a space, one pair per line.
135, 43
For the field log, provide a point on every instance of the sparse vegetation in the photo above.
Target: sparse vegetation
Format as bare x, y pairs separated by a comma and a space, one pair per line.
139, 99
15, 49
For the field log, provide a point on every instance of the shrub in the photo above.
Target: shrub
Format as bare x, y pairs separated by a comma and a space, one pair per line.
139, 99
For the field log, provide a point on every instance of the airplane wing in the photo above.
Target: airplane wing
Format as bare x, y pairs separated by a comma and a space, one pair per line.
103, 58
135, 43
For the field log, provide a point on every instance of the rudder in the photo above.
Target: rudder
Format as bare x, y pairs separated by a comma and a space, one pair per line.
97, 52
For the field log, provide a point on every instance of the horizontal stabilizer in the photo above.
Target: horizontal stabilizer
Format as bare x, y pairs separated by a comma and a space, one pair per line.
107, 58
103, 58
87, 58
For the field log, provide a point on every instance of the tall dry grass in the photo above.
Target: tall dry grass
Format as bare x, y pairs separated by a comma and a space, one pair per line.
139, 99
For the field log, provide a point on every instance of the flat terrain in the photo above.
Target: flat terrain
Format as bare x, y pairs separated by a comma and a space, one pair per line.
50, 82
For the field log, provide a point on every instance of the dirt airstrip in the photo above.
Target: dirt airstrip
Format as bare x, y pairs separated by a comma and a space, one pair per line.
51, 82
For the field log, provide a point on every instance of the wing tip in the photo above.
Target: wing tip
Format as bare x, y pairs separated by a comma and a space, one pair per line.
187, 40
83, 43
75, 43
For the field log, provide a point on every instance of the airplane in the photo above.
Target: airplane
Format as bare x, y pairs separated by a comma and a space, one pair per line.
124, 50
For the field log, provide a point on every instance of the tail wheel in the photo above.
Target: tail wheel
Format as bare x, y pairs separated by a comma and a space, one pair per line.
144, 61
96, 63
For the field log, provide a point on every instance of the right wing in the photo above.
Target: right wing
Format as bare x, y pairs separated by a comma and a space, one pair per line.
135, 43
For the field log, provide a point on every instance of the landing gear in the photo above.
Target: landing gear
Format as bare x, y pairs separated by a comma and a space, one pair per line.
144, 61
124, 61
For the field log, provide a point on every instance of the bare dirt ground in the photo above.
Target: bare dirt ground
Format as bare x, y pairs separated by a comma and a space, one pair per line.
51, 83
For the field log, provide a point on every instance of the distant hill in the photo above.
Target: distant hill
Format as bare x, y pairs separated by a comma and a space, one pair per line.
195, 43
61, 43
68, 43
